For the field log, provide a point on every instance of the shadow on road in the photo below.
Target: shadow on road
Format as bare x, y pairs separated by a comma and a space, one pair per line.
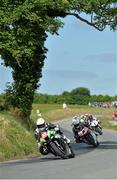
81, 148
31, 160
108, 145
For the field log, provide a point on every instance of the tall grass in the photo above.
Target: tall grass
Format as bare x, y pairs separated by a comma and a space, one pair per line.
15, 140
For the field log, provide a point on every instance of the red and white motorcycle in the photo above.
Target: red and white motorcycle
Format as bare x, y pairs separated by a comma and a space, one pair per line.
86, 135
95, 126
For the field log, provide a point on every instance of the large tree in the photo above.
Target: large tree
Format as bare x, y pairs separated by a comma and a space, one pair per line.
23, 31
79, 95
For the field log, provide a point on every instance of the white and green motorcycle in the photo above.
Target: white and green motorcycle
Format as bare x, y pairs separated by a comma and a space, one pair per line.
53, 142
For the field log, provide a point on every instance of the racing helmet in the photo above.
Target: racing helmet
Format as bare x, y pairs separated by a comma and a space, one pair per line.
75, 117
75, 121
82, 119
40, 123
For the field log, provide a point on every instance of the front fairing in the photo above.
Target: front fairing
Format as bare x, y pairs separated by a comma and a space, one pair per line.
94, 123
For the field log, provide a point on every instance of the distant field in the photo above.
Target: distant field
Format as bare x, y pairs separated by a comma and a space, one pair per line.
56, 112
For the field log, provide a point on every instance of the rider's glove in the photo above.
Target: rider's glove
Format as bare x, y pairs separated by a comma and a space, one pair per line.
99, 121
56, 129
67, 140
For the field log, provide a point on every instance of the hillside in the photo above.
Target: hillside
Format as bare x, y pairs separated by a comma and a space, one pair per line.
16, 141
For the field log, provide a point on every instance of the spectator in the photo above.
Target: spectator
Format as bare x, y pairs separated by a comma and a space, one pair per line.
64, 106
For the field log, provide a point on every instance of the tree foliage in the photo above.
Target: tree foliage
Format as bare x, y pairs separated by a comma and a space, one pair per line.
78, 95
23, 31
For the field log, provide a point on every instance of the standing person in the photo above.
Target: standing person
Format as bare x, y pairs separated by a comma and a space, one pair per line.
114, 115
64, 106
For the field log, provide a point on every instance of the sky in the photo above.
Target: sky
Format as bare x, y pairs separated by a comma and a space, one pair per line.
80, 56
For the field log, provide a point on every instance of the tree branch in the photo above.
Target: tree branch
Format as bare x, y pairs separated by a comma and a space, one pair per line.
86, 21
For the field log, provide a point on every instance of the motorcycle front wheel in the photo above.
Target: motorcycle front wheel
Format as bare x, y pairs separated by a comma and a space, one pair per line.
98, 130
92, 141
70, 152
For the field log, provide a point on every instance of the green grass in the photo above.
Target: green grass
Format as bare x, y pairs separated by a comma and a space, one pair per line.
55, 112
17, 142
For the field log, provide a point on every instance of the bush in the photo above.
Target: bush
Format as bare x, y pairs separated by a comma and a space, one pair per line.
2, 102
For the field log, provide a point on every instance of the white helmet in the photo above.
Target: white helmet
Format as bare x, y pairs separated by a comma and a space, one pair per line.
75, 117
75, 121
40, 123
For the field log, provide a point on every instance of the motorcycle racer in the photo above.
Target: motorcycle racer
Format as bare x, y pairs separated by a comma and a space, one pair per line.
83, 132
94, 123
90, 118
42, 125
77, 123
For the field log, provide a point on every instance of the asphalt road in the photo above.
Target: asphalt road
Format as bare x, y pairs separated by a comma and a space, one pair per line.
89, 162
